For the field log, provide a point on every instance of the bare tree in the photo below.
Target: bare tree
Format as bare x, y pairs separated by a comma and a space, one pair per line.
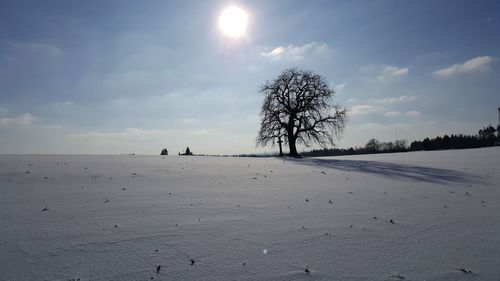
297, 106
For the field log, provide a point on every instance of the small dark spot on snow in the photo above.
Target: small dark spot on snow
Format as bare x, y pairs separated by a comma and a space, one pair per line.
391, 221
123, 188
192, 262
397, 276
116, 225
323, 172
307, 199
45, 209
158, 268
465, 270
375, 218
306, 270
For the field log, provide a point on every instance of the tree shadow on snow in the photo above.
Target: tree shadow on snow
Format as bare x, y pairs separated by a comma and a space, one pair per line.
393, 170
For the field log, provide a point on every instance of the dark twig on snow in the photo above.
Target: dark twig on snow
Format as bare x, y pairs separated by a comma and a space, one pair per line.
465, 270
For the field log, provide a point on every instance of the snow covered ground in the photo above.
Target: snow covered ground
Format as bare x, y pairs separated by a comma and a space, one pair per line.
409, 216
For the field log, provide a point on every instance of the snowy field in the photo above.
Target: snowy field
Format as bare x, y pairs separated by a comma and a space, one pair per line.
409, 216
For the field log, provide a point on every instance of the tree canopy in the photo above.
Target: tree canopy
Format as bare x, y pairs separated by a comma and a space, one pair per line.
298, 107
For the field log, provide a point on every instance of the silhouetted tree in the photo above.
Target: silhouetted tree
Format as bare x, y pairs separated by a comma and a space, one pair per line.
487, 135
297, 105
373, 146
188, 151
164, 152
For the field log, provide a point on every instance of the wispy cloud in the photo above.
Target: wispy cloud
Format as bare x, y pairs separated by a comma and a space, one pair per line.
473, 65
384, 107
392, 113
413, 113
296, 52
63, 104
24, 119
384, 72
338, 88
363, 109
127, 135
393, 71
396, 100
36, 48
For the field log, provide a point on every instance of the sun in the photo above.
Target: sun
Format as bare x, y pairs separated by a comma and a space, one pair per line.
233, 21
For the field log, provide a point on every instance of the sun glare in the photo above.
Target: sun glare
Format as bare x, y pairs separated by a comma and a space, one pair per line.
233, 21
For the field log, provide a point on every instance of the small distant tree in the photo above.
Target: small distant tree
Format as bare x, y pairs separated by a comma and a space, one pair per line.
188, 151
487, 135
401, 145
164, 152
298, 107
373, 146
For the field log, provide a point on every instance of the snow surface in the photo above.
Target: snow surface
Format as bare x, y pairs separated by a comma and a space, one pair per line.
120, 217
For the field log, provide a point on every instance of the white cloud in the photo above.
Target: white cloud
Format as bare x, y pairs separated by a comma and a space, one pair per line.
63, 104
365, 109
392, 113
389, 101
296, 52
473, 65
24, 119
413, 113
392, 71
384, 72
338, 88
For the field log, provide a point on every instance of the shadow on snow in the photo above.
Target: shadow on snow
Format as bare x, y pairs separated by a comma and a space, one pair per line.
393, 170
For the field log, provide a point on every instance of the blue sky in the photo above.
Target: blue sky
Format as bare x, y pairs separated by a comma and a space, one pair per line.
137, 76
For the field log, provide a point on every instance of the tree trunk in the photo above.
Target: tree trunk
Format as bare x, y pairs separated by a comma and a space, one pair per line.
291, 143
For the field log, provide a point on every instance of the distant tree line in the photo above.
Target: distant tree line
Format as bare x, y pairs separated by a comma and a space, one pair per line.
372, 146
485, 137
